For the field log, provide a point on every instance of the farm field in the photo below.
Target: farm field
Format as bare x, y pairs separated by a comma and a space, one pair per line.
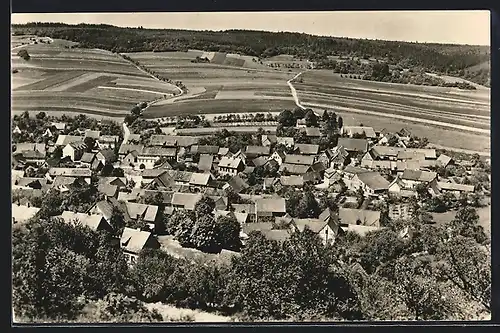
91, 81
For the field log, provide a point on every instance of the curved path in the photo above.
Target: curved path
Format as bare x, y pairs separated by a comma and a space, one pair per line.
294, 92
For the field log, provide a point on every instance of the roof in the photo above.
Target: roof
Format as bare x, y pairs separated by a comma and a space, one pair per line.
227, 162
429, 153
307, 149
133, 240
299, 159
257, 150
271, 137
270, 205
313, 131
367, 217
357, 145
108, 189
354, 170
136, 210
410, 155
27, 181
33, 154
167, 195
269, 181
108, 154
159, 151
126, 148
455, 187
106, 207
77, 145
374, 180
314, 225
237, 184
186, 200
162, 140
367, 131
26, 146
200, 179
292, 180
70, 172
180, 176
417, 175
223, 151
133, 195
260, 161
23, 213
108, 138
294, 169
205, 162
152, 173
59, 126
133, 137
63, 140
92, 221
63, 181
204, 149
287, 141
410, 165
87, 157
361, 230
244, 208
443, 160
92, 134
385, 151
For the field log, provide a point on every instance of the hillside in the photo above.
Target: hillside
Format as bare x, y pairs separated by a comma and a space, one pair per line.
448, 59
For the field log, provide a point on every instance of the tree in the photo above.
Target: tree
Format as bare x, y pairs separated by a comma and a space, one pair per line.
228, 232
23, 53
205, 206
204, 234
286, 118
117, 221
311, 119
90, 143
340, 122
466, 224
41, 115
308, 207
117, 172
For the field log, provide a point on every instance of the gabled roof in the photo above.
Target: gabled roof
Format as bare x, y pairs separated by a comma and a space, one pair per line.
409, 165
417, 175
280, 154
385, 151
133, 137
167, 195
108, 189
357, 145
455, 187
25, 146
108, 154
367, 131
269, 137
159, 151
31, 181
87, 158
299, 159
374, 180
260, 161
137, 210
294, 169
366, 217
186, 200
180, 176
257, 150
133, 240
287, 141
205, 163
70, 172
152, 173
132, 196
92, 134
127, 148
232, 163
204, 149
59, 126
269, 181
23, 213
443, 160
200, 179
293, 180
237, 184
428, 152
223, 151
63, 140
119, 181
244, 208
162, 140
307, 149
270, 205
354, 170
92, 221
315, 225
410, 155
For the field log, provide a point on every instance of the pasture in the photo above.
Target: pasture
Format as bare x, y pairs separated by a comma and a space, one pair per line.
96, 82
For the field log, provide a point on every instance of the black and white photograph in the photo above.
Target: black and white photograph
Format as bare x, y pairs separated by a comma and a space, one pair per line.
250, 167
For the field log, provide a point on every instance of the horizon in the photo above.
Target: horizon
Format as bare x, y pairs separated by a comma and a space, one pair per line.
423, 27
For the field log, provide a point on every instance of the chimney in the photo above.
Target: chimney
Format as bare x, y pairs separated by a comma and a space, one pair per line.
28, 204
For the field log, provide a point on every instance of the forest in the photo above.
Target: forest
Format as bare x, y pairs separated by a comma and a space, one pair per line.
441, 58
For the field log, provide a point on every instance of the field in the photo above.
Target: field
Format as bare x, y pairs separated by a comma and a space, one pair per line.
58, 80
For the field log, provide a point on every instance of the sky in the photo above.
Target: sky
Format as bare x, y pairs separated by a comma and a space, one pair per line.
456, 27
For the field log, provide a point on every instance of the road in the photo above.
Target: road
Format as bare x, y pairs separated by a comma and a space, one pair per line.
294, 92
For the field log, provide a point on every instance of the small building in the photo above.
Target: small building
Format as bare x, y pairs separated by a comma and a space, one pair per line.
335, 158
278, 156
401, 211
205, 164
74, 150
351, 131
294, 180
269, 207
63, 140
133, 241
237, 184
93, 221
106, 156
285, 141
107, 141
201, 180
185, 201
92, 134
363, 217
372, 183
230, 166
299, 159
353, 145
87, 159
444, 160
268, 140
150, 155
256, 151
69, 172
413, 177
313, 132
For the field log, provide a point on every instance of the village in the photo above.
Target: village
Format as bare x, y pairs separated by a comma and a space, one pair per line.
363, 183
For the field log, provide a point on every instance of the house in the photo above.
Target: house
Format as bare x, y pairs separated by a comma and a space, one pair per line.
126, 148
107, 141
456, 189
408, 155
413, 177
92, 134
130, 159
74, 150
379, 165
429, 154
201, 180
33, 157
261, 161
256, 151
230, 166
22, 213
301, 123
268, 140
401, 211
63, 140
162, 140
105, 208
146, 213
133, 138
269, 207
331, 176
268, 229
87, 159
133, 241
335, 157
108, 190
286, 141
93, 221
294, 169
353, 145
221, 203
294, 180
25, 147
372, 183
48, 133
31, 183
351, 131
348, 174
404, 133
312, 132
120, 182
398, 187
224, 151
106, 156
278, 156
150, 155
17, 130
241, 155
379, 153
185, 201
299, 159
363, 217
205, 163
205, 149
64, 184
131, 196
157, 179
306, 149
444, 160
328, 229
69, 172
237, 184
